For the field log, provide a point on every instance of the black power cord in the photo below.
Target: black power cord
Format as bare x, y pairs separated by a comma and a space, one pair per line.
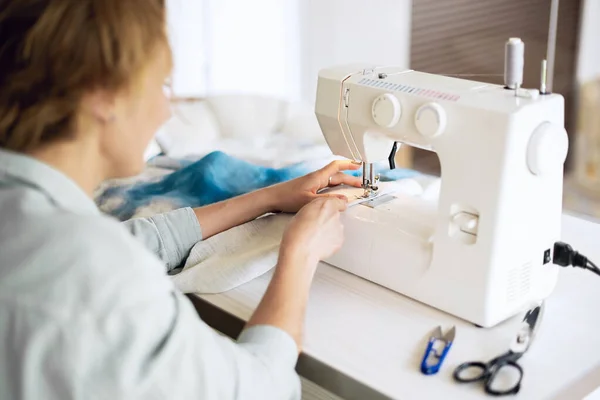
565, 256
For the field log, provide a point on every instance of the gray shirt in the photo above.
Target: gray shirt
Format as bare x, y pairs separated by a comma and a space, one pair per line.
87, 310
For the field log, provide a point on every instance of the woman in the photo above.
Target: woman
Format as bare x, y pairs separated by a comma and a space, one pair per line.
87, 309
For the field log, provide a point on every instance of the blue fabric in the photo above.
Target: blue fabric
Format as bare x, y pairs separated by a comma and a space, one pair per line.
211, 179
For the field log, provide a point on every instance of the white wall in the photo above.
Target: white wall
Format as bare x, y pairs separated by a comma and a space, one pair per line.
188, 40
588, 64
276, 47
253, 47
348, 31
235, 46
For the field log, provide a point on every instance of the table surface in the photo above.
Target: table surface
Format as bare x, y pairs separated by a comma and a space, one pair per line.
363, 340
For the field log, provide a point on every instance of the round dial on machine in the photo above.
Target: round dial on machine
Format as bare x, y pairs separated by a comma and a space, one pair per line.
547, 149
430, 119
386, 110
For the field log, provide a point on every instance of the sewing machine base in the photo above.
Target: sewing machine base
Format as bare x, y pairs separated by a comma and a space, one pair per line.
396, 238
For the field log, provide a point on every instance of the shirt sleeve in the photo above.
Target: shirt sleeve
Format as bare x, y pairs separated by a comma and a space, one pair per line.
170, 236
154, 344
164, 350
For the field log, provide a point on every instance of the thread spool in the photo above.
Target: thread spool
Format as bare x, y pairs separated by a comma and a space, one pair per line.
543, 89
514, 61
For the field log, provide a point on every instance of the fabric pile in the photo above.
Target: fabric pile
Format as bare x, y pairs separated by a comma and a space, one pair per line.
189, 182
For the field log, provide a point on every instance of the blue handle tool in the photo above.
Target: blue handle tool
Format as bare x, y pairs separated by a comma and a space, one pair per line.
428, 367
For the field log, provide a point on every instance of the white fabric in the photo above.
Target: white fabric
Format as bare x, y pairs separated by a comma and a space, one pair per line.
275, 153
245, 116
241, 254
152, 150
233, 257
301, 124
354, 195
191, 130
262, 130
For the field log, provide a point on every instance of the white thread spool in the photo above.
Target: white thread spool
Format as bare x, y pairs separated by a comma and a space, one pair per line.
514, 61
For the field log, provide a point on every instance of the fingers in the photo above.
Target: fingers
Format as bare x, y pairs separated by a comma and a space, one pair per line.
342, 203
328, 174
341, 178
338, 201
341, 165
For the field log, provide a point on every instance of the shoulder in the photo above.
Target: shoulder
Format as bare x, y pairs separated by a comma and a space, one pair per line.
78, 261
89, 237
102, 244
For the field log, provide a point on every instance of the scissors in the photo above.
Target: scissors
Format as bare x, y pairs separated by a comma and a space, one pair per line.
431, 353
475, 371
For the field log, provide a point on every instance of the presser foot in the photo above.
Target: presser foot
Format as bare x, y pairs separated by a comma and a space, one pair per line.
369, 192
370, 181
370, 189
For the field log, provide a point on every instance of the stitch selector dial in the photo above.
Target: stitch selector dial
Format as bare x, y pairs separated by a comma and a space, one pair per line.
430, 120
386, 110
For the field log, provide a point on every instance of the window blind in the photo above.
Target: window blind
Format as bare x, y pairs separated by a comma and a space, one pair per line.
468, 37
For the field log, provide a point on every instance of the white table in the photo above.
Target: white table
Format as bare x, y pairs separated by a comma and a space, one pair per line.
363, 341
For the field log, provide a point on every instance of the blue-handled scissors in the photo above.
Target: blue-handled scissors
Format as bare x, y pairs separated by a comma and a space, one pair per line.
432, 354
487, 372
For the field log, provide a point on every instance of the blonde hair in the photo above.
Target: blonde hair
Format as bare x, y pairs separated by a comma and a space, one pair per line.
53, 52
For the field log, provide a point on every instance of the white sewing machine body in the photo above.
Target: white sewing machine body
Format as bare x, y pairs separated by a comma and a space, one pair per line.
482, 252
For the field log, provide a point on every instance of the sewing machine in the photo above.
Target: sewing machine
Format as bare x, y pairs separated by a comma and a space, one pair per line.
482, 252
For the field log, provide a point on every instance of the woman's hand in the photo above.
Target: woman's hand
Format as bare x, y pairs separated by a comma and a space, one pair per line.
314, 233
291, 196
